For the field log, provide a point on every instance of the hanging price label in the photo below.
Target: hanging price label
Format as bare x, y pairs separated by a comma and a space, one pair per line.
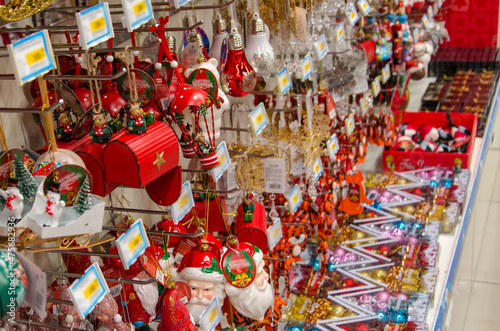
31, 57
306, 65
294, 199
137, 13
88, 291
274, 175
349, 124
258, 119
430, 12
224, 161
317, 168
376, 86
211, 316
364, 7
179, 3
440, 3
339, 32
132, 243
386, 73
425, 21
94, 25
274, 234
352, 15
183, 205
435, 8
283, 80
321, 47
363, 103
416, 35
332, 146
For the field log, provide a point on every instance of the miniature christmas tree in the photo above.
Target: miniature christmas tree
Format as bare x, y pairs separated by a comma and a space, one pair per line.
83, 201
27, 183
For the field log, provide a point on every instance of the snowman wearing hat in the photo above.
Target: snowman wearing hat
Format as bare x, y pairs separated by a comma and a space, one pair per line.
54, 204
14, 199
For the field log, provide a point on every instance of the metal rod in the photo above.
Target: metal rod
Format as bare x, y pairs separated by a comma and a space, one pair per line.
194, 170
252, 155
31, 110
284, 110
133, 210
52, 326
217, 192
164, 233
234, 129
86, 77
111, 279
107, 50
274, 93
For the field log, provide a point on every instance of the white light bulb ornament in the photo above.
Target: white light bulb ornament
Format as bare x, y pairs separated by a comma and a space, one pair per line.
219, 27
259, 51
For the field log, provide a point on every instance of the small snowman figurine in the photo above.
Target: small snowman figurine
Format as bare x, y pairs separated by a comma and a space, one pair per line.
101, 132
54, 205
65, 126
136, 123
14, 199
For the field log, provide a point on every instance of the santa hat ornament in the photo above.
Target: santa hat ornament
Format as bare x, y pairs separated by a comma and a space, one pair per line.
445, 134
428, 146
429, 133
202, 264
404, 144
409, 130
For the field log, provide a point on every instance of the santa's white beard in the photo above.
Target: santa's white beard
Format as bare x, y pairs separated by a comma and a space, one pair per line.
148, 294
196, 310
251, 301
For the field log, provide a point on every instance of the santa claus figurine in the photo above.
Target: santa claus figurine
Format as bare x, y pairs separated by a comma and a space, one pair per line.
200, 269
14, 199
106, 312
254, 298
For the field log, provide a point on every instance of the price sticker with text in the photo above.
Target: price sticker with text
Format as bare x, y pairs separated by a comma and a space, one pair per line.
294, 199
317, 168
95, 25
349, 124
321, 47
339, 32
31, 56
274, 234
137, 13
184, 203
132, 243
258, 119
332, 146
224, 162
306, 65
364, 7
88, 291
211, 316
386, 73
416, 35
376, 86
352, 15
426, 22
284, 81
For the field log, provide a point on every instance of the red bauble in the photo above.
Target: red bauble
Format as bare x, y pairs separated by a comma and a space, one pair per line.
348, 283
345, 328
383, 249
360, 327
174, 314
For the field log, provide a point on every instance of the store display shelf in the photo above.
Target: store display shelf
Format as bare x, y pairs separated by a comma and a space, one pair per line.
451, 246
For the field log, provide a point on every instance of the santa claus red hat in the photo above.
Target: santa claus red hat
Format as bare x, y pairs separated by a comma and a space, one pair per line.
201, 264
428, 132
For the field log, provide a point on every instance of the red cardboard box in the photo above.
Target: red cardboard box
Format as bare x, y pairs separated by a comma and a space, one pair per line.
404, 161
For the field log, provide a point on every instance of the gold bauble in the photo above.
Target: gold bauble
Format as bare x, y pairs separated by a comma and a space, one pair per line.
358, 235
338, 310
409, 209
379, 274
366, 274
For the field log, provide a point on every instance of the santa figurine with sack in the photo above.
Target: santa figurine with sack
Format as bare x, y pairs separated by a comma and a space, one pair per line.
200, 269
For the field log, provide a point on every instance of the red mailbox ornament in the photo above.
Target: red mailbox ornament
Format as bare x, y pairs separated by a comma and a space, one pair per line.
251, 224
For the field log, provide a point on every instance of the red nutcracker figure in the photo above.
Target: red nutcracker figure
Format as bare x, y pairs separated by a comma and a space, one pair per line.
397, 43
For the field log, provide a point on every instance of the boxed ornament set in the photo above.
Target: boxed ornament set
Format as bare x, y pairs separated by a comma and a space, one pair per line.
208, 176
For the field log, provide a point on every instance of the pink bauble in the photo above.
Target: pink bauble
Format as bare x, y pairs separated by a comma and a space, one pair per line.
339, 252
382, 296
401, 296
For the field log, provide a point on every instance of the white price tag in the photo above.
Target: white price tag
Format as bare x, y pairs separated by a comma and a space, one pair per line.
364, 7
36, 292
352, 15
94, 25
349, 124
425, 21
283, 80
430, 12
317, 168
274, 175
258, 119
339, 32
87, 291
440, 3
229, 177
416, 35
212, 316
306, 65
224, 161
435, 8
132, 243
321, 47
294, 199
179, 3
333, 146
274, 234
31, 56
376, 86
183, 205
386, 73
363, 103
137, 13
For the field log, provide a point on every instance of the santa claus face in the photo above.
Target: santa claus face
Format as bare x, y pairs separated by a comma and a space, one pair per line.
202, 292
